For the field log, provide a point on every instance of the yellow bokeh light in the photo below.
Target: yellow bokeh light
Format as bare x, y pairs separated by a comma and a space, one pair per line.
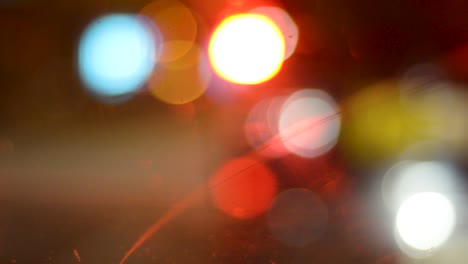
178, 27
181, 81
247, 49
377, 125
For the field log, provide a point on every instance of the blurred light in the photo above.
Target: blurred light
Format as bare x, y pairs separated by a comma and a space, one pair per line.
407, 178
261, 127
425, 220
453, 250
183, 80
388, 117
243, 188
426, 150
378, 126
116, 54
285, 23
420, 82
442, 105
177, 24
423, 75
247, 49
256, 127
297, 217
225, 93
309, 123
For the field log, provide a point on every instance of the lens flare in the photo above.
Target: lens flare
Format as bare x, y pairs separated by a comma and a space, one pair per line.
116, 55
247, 49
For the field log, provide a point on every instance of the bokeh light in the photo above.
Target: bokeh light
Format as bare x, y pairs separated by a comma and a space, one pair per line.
247, 49
425, 87
260, 131
285, 23
441, 104
183, 80
117, 54
419, 78
243, 188
378, 126
297, 217
261, 128
426, 150
309, 123
388, 117
225, 93
425, 220
453, 251
177, 25
407, 178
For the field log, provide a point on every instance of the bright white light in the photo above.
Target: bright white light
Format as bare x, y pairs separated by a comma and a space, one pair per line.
425, 220
407, 178
285, 23
247, 49
309, 123
116, 55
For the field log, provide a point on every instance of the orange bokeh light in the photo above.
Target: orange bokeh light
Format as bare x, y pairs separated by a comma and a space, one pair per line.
243, 188
247, 49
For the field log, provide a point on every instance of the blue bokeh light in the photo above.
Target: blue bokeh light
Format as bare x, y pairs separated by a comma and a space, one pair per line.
117, 54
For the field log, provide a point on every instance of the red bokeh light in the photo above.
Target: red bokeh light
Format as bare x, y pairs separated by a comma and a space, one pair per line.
243, 188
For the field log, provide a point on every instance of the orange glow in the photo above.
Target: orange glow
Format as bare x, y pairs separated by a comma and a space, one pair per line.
247, 49
178, 27
243, 188
284, 22
183, 80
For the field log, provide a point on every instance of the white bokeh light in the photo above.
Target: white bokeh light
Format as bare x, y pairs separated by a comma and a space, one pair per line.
425, 220
247, 49
407, 178
309, 123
